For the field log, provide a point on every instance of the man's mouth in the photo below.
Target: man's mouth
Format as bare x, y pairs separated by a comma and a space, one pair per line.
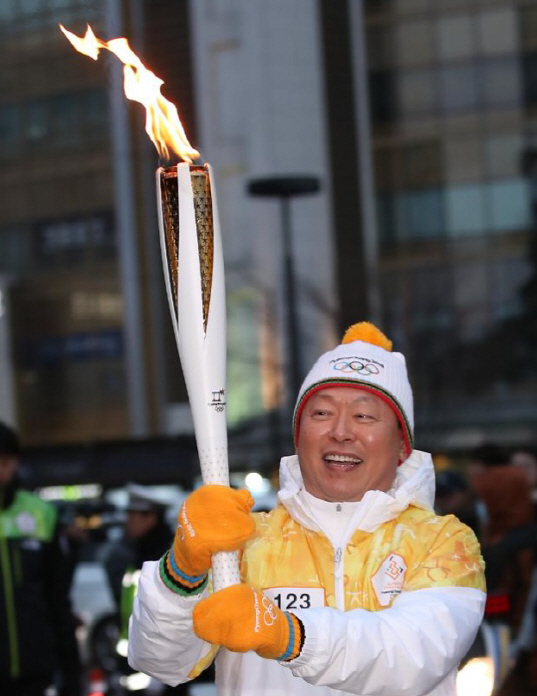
342, 460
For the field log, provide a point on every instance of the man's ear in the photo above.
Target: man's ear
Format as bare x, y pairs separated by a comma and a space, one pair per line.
402, 450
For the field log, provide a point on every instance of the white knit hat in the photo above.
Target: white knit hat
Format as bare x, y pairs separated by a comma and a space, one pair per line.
364, 359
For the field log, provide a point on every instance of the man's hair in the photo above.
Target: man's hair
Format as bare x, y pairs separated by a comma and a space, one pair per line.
490, 455
9, 441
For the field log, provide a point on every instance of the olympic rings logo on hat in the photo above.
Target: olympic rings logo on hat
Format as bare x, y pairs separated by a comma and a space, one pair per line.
360, 367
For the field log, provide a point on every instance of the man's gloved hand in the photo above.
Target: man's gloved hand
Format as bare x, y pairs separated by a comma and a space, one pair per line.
213, 518
241, 619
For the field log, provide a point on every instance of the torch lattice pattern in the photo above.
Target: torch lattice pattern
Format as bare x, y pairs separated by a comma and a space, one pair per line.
170, 211
201, 189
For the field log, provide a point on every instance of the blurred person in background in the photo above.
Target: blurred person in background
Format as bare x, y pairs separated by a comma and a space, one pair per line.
504, 490
146, 536
526, 459
455, 496
38, 647
508, 543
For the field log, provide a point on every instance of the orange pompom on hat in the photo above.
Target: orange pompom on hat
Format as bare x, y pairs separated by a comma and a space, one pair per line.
365, 360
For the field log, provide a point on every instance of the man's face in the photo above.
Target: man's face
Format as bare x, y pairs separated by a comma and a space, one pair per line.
139, 522
349, 443
8, 464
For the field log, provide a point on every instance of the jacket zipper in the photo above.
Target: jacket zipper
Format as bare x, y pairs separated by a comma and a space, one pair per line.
9, 599
338, 579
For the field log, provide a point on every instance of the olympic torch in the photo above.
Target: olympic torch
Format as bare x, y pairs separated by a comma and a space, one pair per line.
193, 265
194, 275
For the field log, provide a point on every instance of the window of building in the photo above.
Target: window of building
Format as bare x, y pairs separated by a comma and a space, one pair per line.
417, 91
465, 210
379, 47
471, 298
497, 31
500, 82
7, 10
385, 167
462, 159
455, 37
36, 122
413, 43
503, 155
507, 276
9, 131
66, 118
386, 222
458, 88
410, 5
29, 6
94, 103
528, 28
421, 214
421, 165
529, 76
14, 251
382, 100
509, 204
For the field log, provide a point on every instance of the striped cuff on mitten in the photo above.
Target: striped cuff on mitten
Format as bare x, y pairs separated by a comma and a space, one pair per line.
177, 581
296, 638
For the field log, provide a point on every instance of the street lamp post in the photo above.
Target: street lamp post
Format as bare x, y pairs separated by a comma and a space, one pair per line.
285, 188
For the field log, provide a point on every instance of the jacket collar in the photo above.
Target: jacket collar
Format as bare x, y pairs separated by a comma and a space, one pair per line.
414, 485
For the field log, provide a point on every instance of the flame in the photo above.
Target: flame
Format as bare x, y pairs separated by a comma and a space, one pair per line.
162, 122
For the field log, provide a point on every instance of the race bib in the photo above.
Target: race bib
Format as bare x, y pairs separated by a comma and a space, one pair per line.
289, 598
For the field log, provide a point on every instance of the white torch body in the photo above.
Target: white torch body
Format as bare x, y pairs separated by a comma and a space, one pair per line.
196, 294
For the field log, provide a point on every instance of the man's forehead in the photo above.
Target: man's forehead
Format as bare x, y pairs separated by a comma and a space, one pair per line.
354, 394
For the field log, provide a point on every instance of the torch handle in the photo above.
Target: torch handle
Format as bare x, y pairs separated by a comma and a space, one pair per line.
215, 470
225, 567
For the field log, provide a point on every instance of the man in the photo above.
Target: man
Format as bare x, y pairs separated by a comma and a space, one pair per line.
37, 629
351, 585
146, 536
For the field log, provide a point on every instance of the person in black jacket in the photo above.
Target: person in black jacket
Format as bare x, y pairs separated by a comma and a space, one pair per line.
146, 536
38, 646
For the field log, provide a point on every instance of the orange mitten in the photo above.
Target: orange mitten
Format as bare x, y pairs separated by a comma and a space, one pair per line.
213, 518
241, 619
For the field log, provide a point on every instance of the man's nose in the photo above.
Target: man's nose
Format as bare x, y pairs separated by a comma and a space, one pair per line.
342, 427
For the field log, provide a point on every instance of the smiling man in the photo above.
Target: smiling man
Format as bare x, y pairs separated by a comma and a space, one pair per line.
351, 585
350, 442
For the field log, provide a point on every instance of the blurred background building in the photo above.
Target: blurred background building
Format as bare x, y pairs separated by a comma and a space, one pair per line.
418, 119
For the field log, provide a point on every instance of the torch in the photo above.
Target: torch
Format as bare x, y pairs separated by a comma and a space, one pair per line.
193, 265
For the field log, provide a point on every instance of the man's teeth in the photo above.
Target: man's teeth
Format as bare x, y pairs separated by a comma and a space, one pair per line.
344, 458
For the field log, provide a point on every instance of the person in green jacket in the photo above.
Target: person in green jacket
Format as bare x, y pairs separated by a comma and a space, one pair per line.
38, 648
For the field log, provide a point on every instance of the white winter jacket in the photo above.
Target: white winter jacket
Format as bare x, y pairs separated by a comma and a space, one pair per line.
390, 613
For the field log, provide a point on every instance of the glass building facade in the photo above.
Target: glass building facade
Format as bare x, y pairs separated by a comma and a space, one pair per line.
452, 131
453, 98
63, 227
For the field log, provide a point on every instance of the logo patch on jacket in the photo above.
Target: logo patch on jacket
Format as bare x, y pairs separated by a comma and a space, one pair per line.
389, 579
26, 522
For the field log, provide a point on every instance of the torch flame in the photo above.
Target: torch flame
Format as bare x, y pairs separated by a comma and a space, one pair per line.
162, 122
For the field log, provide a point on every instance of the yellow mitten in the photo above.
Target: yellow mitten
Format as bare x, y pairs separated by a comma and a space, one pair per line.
213, 518
241, 619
